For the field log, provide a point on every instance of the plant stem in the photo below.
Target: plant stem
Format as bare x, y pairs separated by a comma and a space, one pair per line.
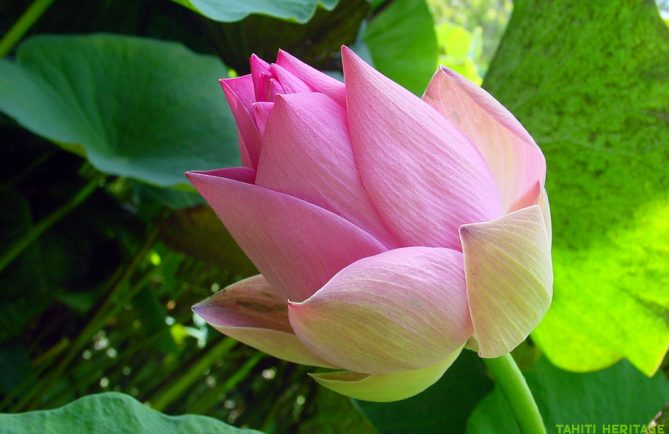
22, 25
195, 372
20, 245
511, 382
208, 400
115, 295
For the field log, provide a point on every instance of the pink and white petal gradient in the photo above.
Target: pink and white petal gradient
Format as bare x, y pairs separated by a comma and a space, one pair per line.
509, 278
385, 387
253, 313
390, 230
423, 175
516, 162
400, 310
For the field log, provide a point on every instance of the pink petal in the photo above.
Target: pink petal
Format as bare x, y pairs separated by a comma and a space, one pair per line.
307, 154
425, 178
251, 312
385, 387
296, 245
514, 159
289, 82
261, 111
509, 278
275, 88
400, 310
239, 93
318, 81
241, 88
261, 76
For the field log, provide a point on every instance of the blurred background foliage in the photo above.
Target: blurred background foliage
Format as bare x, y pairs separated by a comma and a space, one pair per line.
105, 247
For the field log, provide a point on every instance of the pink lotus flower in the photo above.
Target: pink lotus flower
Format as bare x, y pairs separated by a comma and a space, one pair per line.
390, 230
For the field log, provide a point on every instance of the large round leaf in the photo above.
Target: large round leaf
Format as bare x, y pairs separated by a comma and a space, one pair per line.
403, 43
134, 107
235, 10
590, 81
111, 413
317, 42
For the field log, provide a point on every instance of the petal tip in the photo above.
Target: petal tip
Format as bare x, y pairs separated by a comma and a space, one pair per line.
203, 310
295, 313
281, 54
352, 63
195, 176
224, 83
281, 98
347, 52
467, 230
256, 61
446, 70
294, 305
192, 175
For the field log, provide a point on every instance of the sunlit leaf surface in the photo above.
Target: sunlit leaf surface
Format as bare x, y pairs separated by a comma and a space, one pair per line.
404, 49
596, 99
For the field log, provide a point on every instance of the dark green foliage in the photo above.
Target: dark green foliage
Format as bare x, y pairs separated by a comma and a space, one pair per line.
335, 414
319, 40
24, 294
101, 300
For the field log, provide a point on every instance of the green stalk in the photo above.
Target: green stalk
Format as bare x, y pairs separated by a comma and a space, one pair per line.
119, 291
511, 382
22, 25
208, 400
20, 245
171, 391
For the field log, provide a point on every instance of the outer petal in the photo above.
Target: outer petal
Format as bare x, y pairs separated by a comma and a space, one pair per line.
253, 313
509, 278
297, 246
307, 154
515, 160
385, 387
239, 93
425, 178
401, 310
318, 81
